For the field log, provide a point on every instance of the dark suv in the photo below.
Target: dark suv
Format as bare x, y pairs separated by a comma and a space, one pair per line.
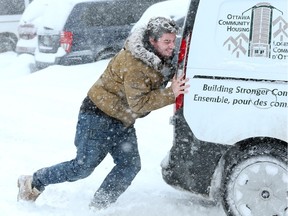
93, 30
230, 129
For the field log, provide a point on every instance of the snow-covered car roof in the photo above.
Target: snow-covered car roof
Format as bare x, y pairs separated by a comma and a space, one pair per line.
174, 9
35, 10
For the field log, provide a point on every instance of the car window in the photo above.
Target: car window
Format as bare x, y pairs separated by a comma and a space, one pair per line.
11, 7
94, 14
97, 15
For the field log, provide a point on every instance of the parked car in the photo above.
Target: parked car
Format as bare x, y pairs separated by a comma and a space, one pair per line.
10, 14
86, 31
28, 26
230, 129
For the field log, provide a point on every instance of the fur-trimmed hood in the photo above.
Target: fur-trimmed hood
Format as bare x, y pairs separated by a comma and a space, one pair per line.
135, 45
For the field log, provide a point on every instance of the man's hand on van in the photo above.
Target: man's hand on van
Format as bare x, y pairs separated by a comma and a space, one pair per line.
179, 85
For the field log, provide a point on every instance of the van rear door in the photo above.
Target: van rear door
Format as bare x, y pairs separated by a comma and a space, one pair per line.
238, 68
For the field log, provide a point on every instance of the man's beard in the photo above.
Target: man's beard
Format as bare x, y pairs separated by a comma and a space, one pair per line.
151, 48
163, 58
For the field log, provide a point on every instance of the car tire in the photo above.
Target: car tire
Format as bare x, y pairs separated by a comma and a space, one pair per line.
106, 54
33, 68
7, 43
255, 179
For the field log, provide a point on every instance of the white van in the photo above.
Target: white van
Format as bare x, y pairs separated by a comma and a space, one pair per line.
231, 129
10, 14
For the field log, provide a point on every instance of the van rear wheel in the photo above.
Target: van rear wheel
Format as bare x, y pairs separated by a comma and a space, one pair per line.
255, 181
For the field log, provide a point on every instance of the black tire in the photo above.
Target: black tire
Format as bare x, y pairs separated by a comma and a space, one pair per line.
255, 178
32, 68
7, 44
106, 54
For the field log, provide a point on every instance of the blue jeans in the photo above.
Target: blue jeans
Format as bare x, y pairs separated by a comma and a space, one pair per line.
97, 135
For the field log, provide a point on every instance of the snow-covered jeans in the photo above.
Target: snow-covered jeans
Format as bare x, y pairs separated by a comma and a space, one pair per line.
97, 135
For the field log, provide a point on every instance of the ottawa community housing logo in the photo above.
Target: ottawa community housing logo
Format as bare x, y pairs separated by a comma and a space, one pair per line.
260, 31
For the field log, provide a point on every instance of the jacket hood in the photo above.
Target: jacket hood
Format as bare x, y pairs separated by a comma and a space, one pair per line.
135, 45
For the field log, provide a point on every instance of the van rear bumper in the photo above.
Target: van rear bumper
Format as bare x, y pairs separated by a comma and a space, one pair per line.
192, 162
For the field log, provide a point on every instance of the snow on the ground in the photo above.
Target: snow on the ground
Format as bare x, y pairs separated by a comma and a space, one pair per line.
38, 115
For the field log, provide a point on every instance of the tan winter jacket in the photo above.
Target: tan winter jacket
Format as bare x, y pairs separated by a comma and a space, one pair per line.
132, 85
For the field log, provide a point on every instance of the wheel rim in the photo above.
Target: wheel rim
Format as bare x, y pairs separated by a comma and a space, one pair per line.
259, 187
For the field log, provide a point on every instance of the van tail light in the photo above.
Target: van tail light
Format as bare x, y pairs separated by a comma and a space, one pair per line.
182, 51
182, 60
66, 40
179, 102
